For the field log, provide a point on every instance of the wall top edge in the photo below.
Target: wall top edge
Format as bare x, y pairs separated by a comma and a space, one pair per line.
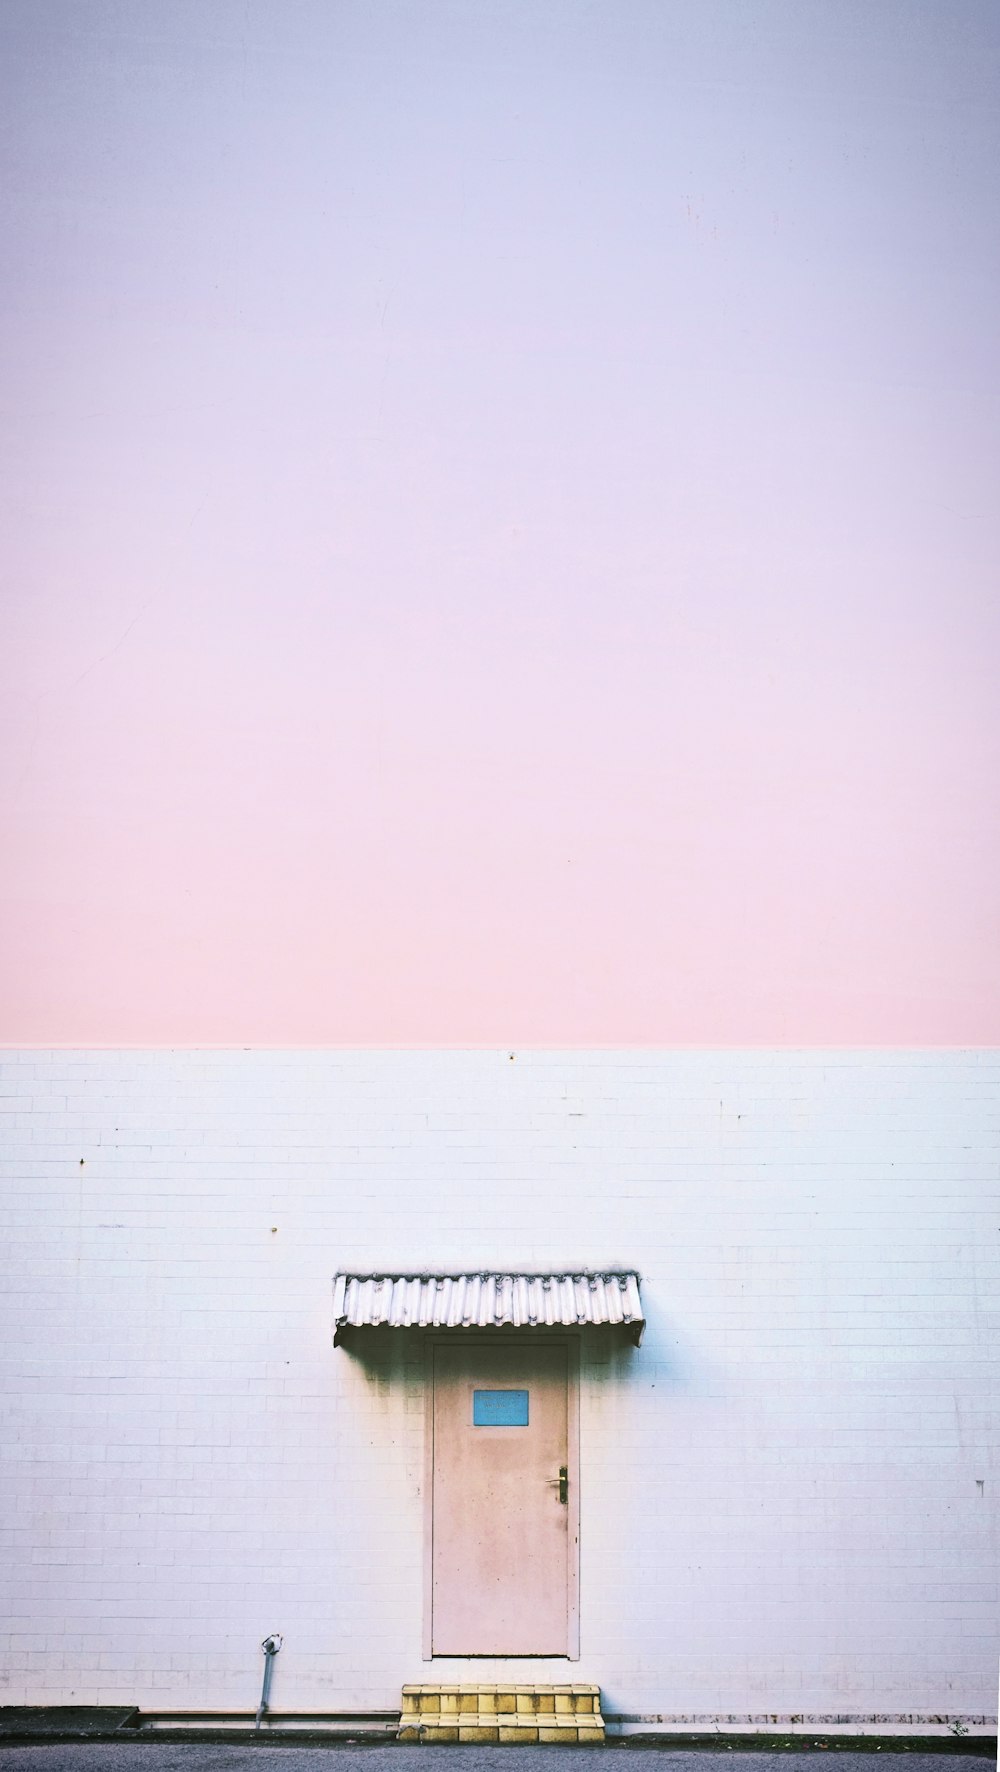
515, 1048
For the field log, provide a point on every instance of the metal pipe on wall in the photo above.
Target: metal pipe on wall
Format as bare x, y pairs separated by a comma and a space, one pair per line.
270, 1646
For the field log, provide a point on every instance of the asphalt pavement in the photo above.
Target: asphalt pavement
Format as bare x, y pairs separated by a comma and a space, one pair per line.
170, 1756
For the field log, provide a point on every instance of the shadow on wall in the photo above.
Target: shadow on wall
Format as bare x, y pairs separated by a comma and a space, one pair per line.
383, 1354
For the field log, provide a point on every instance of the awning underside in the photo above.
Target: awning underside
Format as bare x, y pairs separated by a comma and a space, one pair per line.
488, 1301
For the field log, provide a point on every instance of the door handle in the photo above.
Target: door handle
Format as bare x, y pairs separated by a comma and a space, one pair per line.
561, 1482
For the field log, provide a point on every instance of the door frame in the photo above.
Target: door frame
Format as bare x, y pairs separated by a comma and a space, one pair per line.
501, 1337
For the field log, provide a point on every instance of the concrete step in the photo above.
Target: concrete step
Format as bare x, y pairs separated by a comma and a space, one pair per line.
501, 1713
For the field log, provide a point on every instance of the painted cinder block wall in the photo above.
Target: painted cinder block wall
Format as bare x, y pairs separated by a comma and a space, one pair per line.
788, 1493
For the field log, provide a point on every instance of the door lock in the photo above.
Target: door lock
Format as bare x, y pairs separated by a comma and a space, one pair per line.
561, 1482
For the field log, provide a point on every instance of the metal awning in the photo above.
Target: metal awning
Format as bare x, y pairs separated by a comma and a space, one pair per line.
488, 1301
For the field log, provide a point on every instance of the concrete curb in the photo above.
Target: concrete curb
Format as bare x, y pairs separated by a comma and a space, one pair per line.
39, 1725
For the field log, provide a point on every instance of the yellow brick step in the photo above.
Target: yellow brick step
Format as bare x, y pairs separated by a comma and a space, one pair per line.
501, 1713
500, 1736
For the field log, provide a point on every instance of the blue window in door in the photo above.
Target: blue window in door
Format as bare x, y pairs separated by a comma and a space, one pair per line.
499, 1408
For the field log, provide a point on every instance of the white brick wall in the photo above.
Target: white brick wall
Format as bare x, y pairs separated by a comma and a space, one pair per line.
788, 1493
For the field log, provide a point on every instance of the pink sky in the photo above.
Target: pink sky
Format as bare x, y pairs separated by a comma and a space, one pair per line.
500, 522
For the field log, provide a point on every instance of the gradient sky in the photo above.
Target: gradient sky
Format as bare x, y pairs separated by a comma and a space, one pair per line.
500, 521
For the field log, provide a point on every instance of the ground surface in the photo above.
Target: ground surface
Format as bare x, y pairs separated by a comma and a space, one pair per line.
164, 1756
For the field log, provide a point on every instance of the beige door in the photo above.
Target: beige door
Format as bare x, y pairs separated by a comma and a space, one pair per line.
503, 1527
